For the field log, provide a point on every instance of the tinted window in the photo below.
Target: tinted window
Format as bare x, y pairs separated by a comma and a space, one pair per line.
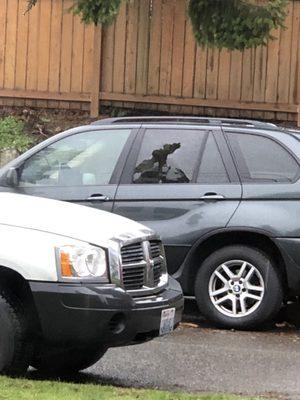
84, 159
212, 169
262, 159
168, 156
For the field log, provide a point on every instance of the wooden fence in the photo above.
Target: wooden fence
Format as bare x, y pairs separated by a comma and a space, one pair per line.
146, 59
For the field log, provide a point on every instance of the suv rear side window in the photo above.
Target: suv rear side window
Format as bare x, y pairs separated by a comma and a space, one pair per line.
168, 156
262, 159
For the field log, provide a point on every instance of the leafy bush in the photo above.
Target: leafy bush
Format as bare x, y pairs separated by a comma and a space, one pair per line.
235, 24
12, 135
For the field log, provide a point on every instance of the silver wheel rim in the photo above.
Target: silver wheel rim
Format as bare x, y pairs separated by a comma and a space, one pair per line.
236, 288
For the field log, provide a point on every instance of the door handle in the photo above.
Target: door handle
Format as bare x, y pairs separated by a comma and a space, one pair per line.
98, 197
212, 196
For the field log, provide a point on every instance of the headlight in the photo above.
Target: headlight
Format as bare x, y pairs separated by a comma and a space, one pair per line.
87, 262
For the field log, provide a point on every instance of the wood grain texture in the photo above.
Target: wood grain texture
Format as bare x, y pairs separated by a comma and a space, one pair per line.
149, 59
154, 47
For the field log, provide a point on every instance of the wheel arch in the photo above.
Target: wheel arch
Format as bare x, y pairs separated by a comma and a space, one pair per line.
216, 240
17, 286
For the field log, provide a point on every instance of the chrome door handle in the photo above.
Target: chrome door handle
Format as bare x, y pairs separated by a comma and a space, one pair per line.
97, 197
212, 197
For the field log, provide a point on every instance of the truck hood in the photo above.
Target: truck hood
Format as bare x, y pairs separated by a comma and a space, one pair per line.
66, 219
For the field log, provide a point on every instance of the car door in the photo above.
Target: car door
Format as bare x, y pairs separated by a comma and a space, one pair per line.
180, 181
269, 172
83, 168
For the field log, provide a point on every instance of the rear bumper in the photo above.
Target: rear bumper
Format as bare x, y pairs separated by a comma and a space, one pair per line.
80, 314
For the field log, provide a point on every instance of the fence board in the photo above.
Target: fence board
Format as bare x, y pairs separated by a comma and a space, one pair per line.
166, 47
107, 67
143, 47
10, 45
22, 42
55, 49
119, 51
154, 47
3, 17
66, 48
189, 62
224, 75
131, 46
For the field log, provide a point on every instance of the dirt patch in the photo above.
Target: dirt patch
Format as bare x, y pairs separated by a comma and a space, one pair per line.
43, 123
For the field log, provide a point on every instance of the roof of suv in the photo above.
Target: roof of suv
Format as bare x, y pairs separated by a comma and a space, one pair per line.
187, 120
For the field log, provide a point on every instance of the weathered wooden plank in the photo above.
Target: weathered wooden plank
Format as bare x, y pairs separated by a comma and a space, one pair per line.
178, 48
107, 68
66, 50
166, 47
32, 52
155, 47
131, 45
212, 73
77, 55
10, 45
143, 47
235, 88
119, 51
3, 19
38, 95
224, 74
260, 72
96, 72
22, 43
55, 45
248, 68
189, 61
55, 49
200, 73
284, 67
43, 45
272, 71
171, 100
88, 59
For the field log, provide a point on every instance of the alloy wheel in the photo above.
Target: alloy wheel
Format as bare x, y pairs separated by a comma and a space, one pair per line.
236, 288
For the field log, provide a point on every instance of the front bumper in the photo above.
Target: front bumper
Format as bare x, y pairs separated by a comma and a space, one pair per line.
103, 314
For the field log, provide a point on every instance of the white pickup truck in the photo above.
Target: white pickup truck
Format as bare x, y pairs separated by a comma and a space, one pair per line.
75, 281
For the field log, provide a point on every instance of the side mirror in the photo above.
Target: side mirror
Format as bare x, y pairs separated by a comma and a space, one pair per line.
12, 177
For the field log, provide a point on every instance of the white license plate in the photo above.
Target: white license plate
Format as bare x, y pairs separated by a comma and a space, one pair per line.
167, 321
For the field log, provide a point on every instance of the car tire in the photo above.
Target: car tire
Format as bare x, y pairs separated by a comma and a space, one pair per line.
62, 360
234, 271
15, 347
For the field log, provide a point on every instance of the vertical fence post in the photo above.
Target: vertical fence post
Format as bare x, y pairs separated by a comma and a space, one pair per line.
95, 89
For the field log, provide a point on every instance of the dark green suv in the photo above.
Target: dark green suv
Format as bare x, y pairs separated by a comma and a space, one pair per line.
223, 194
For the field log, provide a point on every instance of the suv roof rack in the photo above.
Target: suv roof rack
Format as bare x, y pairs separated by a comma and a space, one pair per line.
186, 120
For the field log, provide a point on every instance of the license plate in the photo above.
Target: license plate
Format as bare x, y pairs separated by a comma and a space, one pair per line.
167, 321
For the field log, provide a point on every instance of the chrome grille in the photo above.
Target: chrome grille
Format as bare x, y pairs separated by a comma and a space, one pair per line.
143, 264
132, 253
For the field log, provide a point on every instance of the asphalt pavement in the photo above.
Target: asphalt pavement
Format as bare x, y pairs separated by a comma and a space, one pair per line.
198, 358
